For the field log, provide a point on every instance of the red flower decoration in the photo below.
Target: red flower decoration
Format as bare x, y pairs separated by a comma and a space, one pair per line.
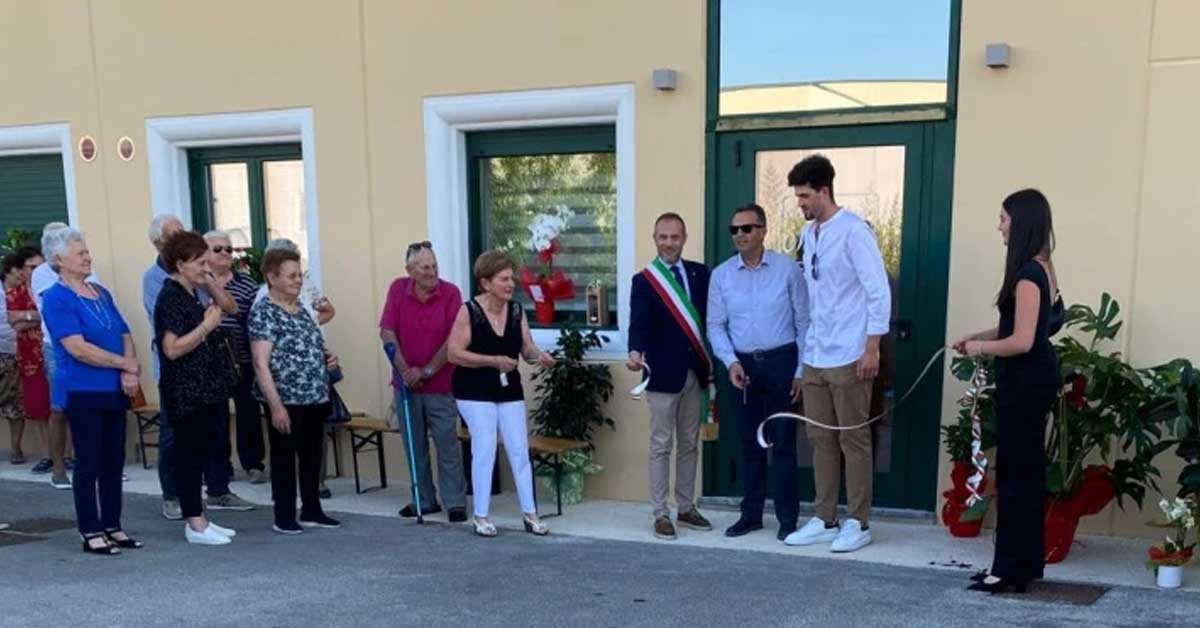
546, 255
1076, 398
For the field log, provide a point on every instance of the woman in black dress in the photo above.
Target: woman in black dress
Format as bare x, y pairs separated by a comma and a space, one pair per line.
1027, 383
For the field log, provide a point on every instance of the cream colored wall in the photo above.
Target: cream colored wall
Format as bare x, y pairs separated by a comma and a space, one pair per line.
1096, 110
364, 69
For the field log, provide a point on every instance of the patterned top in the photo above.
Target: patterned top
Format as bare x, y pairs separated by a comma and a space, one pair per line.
202, 376
29, 342
242, 288
298, 355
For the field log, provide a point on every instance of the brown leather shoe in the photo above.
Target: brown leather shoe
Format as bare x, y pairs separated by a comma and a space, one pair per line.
663, 529
694, 520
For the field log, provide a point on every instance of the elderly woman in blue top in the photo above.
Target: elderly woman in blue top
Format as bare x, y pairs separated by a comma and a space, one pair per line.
98, 371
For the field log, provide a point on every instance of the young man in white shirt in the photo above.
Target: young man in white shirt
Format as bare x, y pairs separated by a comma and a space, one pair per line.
849, 309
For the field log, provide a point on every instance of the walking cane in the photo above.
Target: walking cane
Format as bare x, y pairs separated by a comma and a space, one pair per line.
390, 350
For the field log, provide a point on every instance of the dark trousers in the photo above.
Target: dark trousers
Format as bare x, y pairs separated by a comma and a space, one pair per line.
216, 469
198, 435
250, 445
770, 390
302, 447
98, 434
1020, 483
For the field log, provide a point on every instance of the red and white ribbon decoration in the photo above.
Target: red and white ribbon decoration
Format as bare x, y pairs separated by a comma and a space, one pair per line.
978, 460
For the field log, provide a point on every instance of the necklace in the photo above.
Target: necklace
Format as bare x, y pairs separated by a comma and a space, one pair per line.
94, 307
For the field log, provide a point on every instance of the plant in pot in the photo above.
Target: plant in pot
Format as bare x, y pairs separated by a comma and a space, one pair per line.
571, 397
962, 518
544, 283
1168, 560
1107, 410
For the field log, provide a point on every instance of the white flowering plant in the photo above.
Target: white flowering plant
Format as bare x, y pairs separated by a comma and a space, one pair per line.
1180, 516
544, 230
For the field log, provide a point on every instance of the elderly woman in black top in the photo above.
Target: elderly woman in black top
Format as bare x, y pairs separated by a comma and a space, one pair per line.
488, 336
291, 365
196, 375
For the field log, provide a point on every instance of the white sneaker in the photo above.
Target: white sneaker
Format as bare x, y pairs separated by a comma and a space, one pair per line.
209, 536
814, 532
852, 537
222, 530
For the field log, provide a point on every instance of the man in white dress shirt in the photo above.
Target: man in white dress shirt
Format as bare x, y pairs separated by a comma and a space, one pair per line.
849, 307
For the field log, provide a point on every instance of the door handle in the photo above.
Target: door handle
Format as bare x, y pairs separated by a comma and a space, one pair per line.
903, 329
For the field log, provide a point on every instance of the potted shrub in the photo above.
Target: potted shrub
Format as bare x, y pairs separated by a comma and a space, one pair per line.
1168, 560
961, 519
571, 398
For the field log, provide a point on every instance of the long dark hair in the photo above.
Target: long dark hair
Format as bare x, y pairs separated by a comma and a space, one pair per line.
1030, 233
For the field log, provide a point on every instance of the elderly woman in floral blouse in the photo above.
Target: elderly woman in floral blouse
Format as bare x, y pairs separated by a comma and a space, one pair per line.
291, 364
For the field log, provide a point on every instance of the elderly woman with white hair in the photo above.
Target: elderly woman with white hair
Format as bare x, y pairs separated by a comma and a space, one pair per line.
97, 372
241, 287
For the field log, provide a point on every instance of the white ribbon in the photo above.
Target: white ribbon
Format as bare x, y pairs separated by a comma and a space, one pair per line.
978, 459
845, 428
637, 391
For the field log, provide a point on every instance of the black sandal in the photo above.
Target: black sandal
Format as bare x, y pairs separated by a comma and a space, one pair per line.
108, 549
128, 542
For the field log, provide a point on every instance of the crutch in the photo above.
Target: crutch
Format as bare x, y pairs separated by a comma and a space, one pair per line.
390, 350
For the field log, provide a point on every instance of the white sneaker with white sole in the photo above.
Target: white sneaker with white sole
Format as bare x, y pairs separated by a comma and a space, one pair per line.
209, 536
222, 530
852, 537
813, 533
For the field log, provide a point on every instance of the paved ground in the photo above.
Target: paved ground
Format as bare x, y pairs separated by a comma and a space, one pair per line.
380, 571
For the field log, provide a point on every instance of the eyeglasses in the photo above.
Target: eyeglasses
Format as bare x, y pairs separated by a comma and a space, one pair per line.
222, 249
417, 246
734, 229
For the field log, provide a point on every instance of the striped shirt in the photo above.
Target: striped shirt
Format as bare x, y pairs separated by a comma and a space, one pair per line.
242, 289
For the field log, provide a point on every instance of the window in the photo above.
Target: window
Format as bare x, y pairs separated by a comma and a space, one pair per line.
255, 193
810, 55
531, 189
32, 193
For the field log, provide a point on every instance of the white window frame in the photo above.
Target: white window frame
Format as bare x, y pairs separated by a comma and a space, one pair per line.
45, 139
168, 138
447, 121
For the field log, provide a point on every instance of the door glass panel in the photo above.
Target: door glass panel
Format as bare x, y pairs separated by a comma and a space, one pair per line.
581, 190
810, 55
230, 200
869, 182
283, 185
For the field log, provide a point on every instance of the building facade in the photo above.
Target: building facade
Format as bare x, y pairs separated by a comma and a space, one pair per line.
356, 128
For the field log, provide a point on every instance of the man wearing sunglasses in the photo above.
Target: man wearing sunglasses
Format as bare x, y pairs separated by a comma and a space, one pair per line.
849, 308
756, 323
417, 318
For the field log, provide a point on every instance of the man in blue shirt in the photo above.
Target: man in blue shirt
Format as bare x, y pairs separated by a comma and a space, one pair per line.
757, 308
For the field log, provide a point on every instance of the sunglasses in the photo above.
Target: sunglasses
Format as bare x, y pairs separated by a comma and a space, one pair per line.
734, 229
417, 246
222, 249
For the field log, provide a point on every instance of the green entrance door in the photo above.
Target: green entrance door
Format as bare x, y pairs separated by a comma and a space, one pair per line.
898, 177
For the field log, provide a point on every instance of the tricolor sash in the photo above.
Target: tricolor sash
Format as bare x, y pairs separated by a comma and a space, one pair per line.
680, 306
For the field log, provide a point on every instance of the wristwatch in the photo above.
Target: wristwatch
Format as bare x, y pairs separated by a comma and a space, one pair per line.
426, 372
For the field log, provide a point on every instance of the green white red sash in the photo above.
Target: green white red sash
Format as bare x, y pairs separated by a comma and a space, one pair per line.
680, 306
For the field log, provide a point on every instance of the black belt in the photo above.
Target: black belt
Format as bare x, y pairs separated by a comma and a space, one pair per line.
764, 354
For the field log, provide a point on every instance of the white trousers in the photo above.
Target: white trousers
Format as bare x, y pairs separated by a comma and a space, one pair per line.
484, 420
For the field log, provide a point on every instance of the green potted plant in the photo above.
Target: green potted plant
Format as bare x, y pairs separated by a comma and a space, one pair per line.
571, 397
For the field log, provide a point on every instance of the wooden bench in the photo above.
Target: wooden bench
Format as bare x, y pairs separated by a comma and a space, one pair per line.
544, 451
149, 420
366, 435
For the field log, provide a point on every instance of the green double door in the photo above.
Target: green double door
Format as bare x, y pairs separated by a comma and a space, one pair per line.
898, 177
